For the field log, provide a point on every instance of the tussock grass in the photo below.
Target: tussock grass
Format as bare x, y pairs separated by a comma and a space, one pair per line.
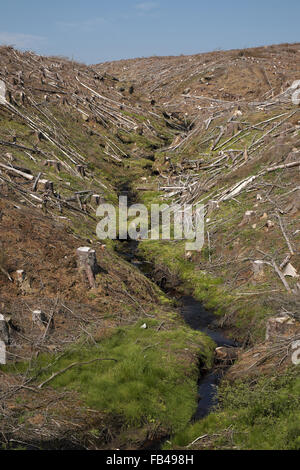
153, 381
264, 416
205, 288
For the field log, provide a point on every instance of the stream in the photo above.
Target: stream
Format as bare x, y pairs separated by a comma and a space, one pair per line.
195, 315
198, 318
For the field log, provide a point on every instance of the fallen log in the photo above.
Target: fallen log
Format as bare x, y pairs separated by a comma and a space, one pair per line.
17, 172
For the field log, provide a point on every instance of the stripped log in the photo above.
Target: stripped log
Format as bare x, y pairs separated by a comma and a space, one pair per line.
11, 169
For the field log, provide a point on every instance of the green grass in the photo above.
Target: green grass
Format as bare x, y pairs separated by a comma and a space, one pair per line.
151, 382
205, 288
264, 416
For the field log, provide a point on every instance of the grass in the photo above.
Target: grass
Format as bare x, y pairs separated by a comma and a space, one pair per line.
264, 416
205, 288
152, 381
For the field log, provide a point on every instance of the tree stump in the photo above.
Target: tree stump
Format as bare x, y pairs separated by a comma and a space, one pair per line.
2, 92
53, 164
45, 185
81, 170
281, 327
2, 352
227, 355
95, 200
23, 282
39, 318
87, 264
4, 330
258, 269
248, 217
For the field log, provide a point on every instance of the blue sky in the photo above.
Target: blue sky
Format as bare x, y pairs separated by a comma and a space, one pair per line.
94, 31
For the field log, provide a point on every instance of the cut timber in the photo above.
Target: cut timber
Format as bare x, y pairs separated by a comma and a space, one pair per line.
238, 188
36, 181
285, 262
11, 169
286, 285
87, 264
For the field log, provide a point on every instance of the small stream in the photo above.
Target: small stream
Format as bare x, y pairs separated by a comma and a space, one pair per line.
195, 315
198, 318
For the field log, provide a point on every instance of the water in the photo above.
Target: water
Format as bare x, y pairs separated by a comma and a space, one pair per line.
200, 319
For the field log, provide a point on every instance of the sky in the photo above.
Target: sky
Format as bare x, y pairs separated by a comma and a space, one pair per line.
94, 31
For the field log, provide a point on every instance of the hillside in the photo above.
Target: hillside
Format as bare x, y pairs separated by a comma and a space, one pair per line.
219, 128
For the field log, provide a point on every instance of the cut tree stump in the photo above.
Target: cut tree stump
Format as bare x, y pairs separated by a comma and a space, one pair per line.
39, 318
280, 327
258, 269
2, 92
87, 264
81, 170
226, 354
4, 330
45, 185
23, 282
95, 200
53, 164
2, 352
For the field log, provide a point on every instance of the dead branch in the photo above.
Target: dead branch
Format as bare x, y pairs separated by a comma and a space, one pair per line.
74, 364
